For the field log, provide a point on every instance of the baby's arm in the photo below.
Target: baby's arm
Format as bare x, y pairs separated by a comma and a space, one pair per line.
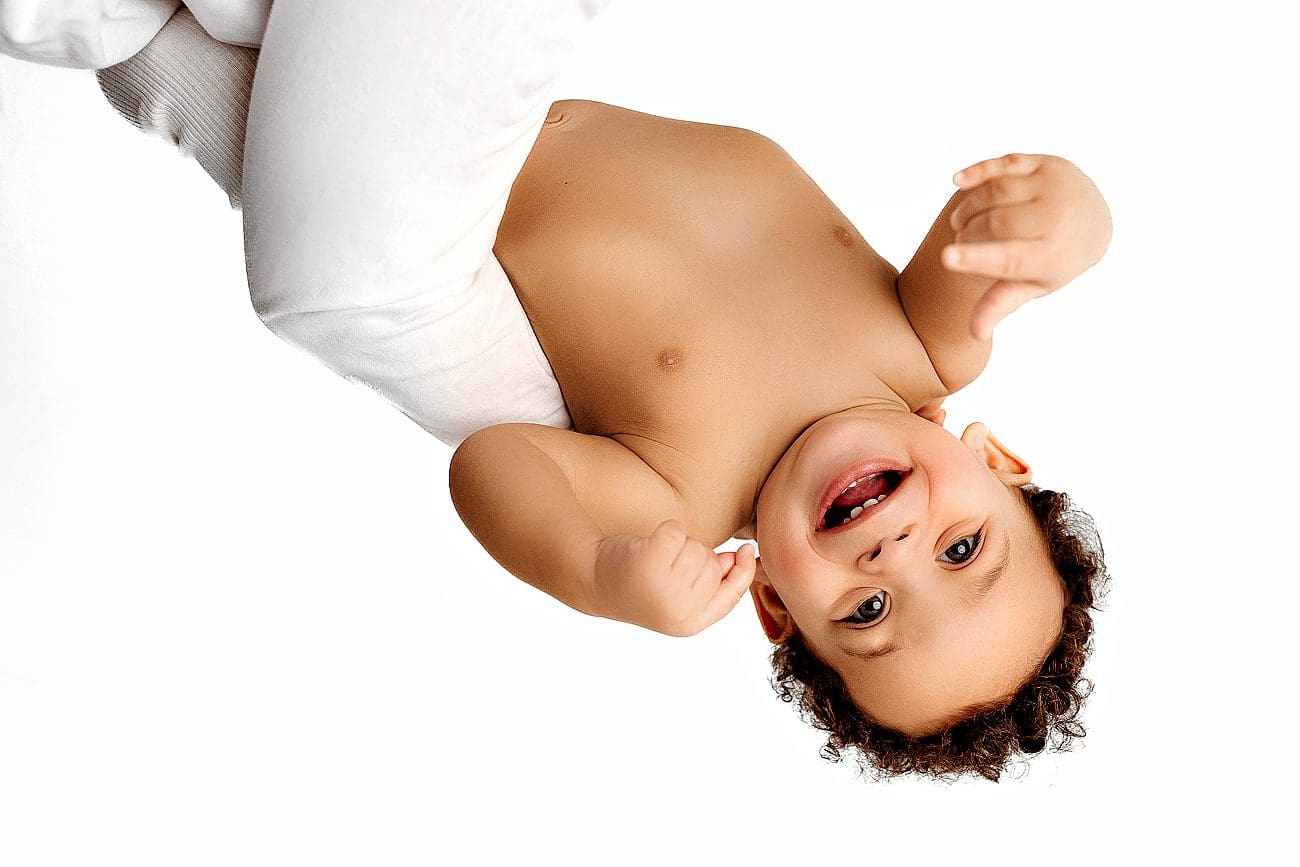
584, 519
1021, 226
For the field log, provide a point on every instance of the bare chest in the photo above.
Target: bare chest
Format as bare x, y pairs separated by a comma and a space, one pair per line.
689, 285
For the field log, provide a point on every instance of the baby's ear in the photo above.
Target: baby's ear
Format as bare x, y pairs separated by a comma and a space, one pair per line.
773, 616
1006, 464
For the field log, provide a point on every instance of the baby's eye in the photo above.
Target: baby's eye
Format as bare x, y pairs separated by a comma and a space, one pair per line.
964, 549
871, 610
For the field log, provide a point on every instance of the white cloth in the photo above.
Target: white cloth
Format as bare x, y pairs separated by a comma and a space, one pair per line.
382, 144
93, 34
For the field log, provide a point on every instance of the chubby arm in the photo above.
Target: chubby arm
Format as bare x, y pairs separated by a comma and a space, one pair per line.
1019, 227
586, 520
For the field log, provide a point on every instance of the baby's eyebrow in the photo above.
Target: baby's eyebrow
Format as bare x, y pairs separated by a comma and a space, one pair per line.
986, 583
888, 647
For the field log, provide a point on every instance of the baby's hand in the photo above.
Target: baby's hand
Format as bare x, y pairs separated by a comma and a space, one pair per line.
1031, 222
670, 582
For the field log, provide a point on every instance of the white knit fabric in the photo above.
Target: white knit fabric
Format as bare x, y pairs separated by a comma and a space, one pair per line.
191, 90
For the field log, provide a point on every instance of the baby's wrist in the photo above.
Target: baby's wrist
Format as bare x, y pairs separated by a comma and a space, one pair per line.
596, 596
609, 588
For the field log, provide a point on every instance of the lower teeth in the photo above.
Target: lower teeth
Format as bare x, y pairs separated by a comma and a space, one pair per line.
857, 510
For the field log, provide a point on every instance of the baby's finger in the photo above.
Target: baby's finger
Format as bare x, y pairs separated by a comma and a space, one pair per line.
1025, 220
1008, 260
735, 583
1011, 164
668, 537
1002, 299
998, 192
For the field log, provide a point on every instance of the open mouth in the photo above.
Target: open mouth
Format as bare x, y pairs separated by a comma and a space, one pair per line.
846, 502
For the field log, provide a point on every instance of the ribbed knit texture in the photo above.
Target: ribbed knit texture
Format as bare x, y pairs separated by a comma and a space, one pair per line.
191, 90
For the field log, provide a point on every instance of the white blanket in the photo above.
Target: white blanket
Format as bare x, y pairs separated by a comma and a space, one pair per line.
93, 34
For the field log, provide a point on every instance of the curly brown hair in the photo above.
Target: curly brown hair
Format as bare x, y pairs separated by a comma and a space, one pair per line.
1043, 711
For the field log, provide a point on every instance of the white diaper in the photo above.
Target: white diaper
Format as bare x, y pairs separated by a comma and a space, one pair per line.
382, 145
380, 151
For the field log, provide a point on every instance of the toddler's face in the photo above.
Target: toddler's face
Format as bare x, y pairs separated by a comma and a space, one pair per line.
939, 596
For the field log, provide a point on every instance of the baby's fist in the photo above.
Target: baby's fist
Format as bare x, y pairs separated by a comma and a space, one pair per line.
668, 581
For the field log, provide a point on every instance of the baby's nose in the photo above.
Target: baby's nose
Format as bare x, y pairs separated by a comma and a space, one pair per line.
874, 555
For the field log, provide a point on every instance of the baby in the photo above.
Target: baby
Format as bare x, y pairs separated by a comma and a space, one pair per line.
733, 357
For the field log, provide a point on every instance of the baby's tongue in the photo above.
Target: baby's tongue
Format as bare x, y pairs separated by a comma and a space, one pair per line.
866, 488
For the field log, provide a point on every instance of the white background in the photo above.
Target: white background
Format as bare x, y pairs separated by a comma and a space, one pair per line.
240, 622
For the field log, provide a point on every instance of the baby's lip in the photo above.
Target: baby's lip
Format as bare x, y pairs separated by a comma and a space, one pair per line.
842, 480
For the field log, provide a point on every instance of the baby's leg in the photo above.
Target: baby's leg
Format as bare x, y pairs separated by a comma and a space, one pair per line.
383, 141
191, 90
